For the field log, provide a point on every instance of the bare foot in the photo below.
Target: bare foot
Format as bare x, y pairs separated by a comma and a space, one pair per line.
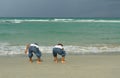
30, 61
63, 62
56, 61
38, 62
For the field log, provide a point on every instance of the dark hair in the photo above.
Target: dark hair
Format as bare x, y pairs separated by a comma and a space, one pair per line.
60, 44
35, 43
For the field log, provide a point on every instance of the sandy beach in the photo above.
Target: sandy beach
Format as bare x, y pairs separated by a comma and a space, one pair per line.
76, 66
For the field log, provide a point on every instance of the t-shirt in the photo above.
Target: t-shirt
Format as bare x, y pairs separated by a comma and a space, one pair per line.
34, 45
59, 46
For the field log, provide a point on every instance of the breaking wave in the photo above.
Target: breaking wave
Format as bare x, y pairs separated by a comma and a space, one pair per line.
57, 20
7, 49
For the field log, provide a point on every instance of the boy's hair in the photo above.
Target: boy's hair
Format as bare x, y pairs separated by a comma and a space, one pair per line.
35, 43
60, 44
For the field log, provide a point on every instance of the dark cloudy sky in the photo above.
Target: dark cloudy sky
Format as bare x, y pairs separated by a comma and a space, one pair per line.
59, 8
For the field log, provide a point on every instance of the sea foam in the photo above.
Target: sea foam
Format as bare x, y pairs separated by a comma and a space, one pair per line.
6, 49
57, 20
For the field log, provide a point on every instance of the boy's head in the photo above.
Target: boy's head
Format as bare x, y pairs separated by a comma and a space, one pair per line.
60, 44
35, 43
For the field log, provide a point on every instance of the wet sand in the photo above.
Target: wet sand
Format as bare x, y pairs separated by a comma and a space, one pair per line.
76, 66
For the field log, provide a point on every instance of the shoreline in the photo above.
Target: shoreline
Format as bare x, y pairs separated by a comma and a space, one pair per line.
86, 53
76, 66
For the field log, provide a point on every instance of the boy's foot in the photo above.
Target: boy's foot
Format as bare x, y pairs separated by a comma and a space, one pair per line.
62, 61
38, 62
30, 61
56, 61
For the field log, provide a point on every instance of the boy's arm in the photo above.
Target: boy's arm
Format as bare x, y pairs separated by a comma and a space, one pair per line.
26, 50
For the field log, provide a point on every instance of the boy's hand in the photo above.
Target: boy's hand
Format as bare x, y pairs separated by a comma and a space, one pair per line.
25, 51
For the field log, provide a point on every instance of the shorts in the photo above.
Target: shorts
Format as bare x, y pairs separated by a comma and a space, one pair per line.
36, 51
58, 51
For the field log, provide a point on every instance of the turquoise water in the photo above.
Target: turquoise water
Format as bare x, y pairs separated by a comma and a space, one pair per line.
77, 35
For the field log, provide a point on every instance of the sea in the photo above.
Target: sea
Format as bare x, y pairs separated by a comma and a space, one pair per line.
78, 35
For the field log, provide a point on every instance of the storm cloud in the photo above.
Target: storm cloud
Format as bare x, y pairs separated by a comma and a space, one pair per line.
59, 8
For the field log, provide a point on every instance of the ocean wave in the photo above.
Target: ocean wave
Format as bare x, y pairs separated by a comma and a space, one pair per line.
7, 49
22, 21
57, 20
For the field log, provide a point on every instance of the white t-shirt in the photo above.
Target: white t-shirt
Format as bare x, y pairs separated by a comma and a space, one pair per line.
34, 45
59, 46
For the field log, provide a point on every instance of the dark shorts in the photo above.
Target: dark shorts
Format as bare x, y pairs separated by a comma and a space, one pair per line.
58, 51
34, 50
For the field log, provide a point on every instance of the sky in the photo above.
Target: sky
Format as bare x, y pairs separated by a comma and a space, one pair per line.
60, 8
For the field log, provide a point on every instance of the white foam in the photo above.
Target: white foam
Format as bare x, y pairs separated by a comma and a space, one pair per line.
57, 20
6, 49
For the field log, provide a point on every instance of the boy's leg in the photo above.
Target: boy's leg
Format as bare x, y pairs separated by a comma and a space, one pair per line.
30, 57
30, 60
38, 54
55, 55
63, 60
63, 56
56, 59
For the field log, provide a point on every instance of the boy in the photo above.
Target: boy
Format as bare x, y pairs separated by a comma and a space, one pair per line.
33, 48
58, 49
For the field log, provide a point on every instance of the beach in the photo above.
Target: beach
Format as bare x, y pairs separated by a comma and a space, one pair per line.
92, 46
76, 66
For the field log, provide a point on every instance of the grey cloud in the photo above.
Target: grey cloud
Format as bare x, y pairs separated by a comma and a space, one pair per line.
60, 8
